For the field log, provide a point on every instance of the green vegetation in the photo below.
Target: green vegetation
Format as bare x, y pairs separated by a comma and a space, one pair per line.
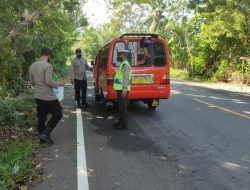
206, 38
17, 166
26, 27
17, 142
179, 73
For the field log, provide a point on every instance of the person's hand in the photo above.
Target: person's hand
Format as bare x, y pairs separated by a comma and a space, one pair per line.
61, 83
141, 62
124, 94
72, 81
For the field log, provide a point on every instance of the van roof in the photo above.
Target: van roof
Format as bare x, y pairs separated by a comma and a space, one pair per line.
139, 35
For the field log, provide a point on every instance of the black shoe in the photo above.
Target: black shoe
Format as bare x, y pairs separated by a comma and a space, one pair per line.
85, 105
45, 136
42, 142
78, 106
120, 127
117, 124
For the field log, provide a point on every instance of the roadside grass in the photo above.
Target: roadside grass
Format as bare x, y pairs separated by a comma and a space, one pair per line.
179, 74
19, 166
184, 75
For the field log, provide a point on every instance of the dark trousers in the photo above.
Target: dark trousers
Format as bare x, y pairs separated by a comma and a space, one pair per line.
80, 88
43, 108
123, 112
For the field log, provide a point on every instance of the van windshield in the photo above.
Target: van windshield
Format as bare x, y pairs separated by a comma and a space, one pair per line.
141, 55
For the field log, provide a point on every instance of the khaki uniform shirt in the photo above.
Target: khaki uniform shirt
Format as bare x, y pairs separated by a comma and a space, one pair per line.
78, 68
40, 73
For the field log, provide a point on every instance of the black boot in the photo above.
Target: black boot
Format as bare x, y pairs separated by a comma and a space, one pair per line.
45, 136
85, 104
121, 127
117, 124
78, 105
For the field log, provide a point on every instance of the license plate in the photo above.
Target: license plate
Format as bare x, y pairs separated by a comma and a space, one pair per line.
143, 79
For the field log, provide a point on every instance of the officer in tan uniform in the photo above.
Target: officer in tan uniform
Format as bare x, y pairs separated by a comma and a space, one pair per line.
41, 72
78, 78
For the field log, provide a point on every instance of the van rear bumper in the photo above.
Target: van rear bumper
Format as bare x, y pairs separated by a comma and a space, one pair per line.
142, 92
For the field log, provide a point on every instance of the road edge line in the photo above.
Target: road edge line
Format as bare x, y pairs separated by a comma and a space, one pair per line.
82, 171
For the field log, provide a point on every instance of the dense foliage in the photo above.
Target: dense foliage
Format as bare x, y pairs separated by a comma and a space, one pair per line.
205, 37
26, 27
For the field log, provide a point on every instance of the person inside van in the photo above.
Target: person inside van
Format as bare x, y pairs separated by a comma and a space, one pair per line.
143, 55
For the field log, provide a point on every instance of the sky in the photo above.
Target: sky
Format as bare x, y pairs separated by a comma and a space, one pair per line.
96, 12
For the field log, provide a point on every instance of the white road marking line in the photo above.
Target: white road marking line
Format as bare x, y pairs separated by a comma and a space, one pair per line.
82, 171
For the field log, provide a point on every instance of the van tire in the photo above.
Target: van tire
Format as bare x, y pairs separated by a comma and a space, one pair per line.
150, 104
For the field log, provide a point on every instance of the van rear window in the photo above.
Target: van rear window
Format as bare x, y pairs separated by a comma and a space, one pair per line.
141, 55
117, 47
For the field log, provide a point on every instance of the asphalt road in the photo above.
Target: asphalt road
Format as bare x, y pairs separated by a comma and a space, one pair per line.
199, 139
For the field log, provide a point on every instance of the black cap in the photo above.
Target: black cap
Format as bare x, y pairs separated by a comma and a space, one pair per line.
46, 51
78, 50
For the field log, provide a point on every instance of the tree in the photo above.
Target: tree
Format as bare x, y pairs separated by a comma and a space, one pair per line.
224, 36
27, 27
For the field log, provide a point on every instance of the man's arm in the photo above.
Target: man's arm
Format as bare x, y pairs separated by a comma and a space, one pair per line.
48, 78
72, 72
32, 82
88, 68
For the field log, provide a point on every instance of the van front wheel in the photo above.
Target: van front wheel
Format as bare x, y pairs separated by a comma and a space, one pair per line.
152, 104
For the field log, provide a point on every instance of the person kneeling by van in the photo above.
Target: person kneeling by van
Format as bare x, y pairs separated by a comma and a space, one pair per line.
122, 84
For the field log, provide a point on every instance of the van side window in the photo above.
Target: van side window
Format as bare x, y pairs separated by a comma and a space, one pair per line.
117, 47
159, 58
104, 57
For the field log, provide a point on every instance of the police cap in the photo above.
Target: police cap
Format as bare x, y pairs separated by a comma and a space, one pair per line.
46, 51
123, 51
78, 50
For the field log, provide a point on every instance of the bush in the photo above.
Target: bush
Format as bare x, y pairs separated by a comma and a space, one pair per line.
179, 73
17, 167
17, 112
17, 160
224, 72
237, 77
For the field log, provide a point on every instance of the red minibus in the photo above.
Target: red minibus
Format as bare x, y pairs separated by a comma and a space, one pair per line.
150, 63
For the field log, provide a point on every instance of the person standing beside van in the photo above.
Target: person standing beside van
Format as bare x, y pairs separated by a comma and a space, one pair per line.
41, 73
122, 84
78, 78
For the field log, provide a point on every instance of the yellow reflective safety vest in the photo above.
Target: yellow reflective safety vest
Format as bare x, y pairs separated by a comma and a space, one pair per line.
118, 80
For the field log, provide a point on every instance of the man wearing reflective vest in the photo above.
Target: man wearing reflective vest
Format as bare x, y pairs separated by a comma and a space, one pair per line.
122, 84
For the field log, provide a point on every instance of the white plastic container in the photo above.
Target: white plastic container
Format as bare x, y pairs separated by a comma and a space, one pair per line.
59, 92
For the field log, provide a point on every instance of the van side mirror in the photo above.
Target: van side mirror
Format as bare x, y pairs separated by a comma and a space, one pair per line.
92, 62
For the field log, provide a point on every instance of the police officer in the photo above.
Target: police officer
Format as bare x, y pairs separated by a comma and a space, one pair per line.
122, 83
78, 78
41, 72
